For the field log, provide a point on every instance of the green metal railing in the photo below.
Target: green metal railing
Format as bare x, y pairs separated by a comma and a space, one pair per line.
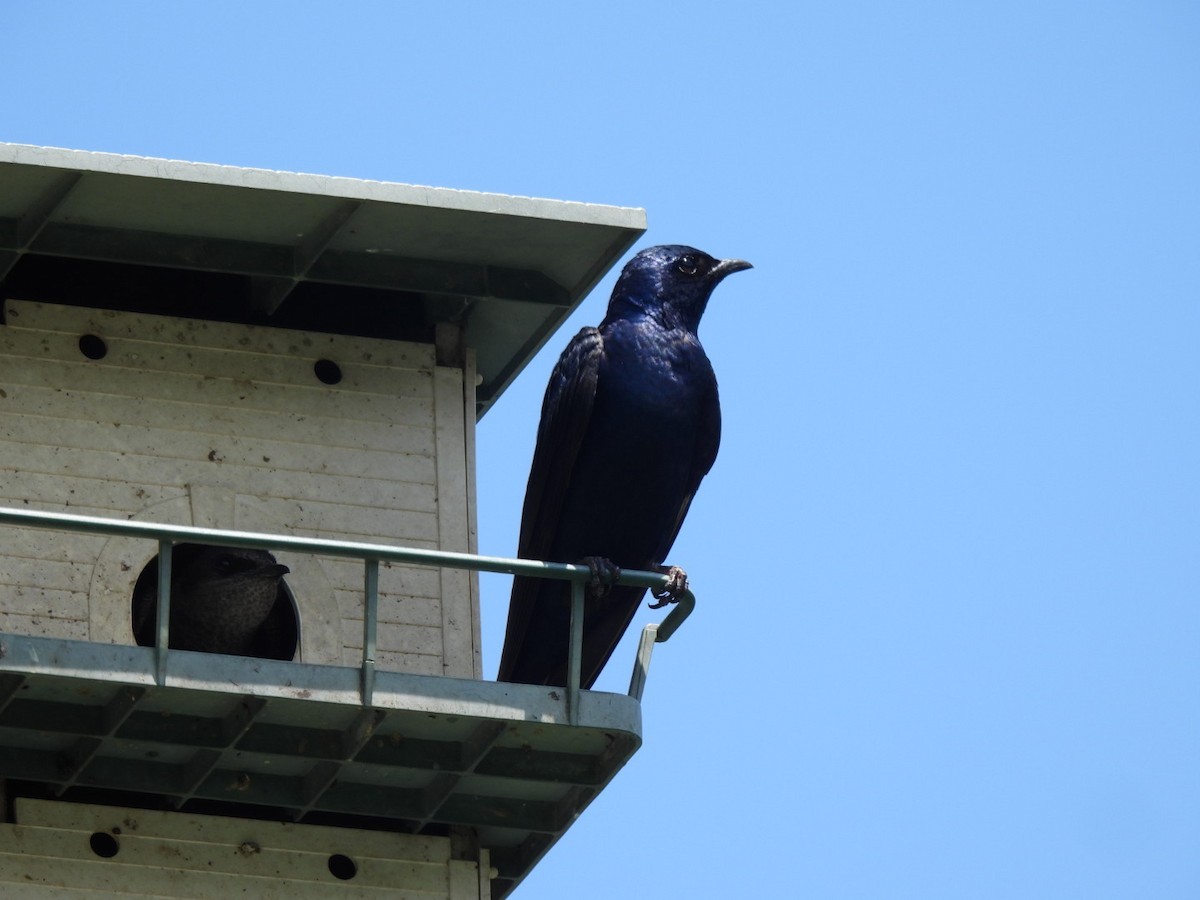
372, 555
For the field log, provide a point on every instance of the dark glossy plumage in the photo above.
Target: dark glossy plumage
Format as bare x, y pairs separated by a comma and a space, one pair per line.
630, 425
223, 600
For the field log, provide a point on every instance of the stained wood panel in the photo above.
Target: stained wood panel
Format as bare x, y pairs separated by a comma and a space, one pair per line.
223, 425
51, 850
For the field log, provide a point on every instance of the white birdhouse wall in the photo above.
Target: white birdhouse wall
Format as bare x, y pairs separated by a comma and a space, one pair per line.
219, 425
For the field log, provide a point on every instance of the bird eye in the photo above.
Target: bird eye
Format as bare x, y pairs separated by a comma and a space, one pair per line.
687, 264
228, 564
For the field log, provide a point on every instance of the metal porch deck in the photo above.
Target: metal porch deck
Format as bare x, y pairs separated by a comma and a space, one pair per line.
284, 740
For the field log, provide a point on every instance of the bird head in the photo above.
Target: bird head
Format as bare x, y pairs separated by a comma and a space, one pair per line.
217, 564
672, 282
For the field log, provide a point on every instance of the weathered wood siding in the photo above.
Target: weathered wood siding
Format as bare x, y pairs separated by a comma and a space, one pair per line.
219, 425
71, 849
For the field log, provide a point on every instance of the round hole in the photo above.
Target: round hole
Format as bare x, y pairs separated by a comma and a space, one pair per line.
277, 638
327, 371
104, 844
342, 867
93, 347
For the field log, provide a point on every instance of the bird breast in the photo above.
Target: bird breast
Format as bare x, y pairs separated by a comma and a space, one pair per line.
634, 468
653, 371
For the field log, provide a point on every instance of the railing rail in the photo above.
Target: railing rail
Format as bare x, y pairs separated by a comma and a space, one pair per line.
371, 556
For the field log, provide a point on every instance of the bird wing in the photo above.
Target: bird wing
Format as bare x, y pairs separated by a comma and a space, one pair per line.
610, 621
566, 414
704, 454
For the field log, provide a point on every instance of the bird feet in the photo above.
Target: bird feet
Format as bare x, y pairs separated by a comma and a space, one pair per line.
675, 586
604, 575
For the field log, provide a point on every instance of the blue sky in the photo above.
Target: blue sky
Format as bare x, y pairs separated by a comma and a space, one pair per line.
948, 561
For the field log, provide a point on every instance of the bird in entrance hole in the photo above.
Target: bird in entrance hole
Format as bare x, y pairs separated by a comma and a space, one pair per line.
630, 424
223, 600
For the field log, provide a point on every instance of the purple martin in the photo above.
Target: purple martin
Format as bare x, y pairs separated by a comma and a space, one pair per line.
223, 600
630, 424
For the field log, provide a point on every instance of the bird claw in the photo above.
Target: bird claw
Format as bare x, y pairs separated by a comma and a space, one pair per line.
675, 586
605, 574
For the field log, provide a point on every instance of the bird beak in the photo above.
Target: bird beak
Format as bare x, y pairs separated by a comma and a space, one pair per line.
729, 266
275, 571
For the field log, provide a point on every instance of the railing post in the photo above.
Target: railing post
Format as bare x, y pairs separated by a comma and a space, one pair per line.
370, 627
575, 651
655, 634
162, 633
641, 665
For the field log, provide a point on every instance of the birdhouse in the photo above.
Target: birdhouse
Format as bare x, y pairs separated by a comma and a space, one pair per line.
229, 351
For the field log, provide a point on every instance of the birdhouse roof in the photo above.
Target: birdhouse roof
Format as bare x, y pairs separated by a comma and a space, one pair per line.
308, 252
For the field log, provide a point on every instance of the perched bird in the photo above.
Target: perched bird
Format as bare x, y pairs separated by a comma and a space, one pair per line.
630, 425
223, 600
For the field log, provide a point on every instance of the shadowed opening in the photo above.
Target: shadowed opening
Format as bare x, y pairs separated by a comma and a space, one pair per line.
327, 371
342, 867
92, 346
104, 844
278, 637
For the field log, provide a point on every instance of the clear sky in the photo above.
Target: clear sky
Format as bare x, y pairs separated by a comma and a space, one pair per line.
948, 561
